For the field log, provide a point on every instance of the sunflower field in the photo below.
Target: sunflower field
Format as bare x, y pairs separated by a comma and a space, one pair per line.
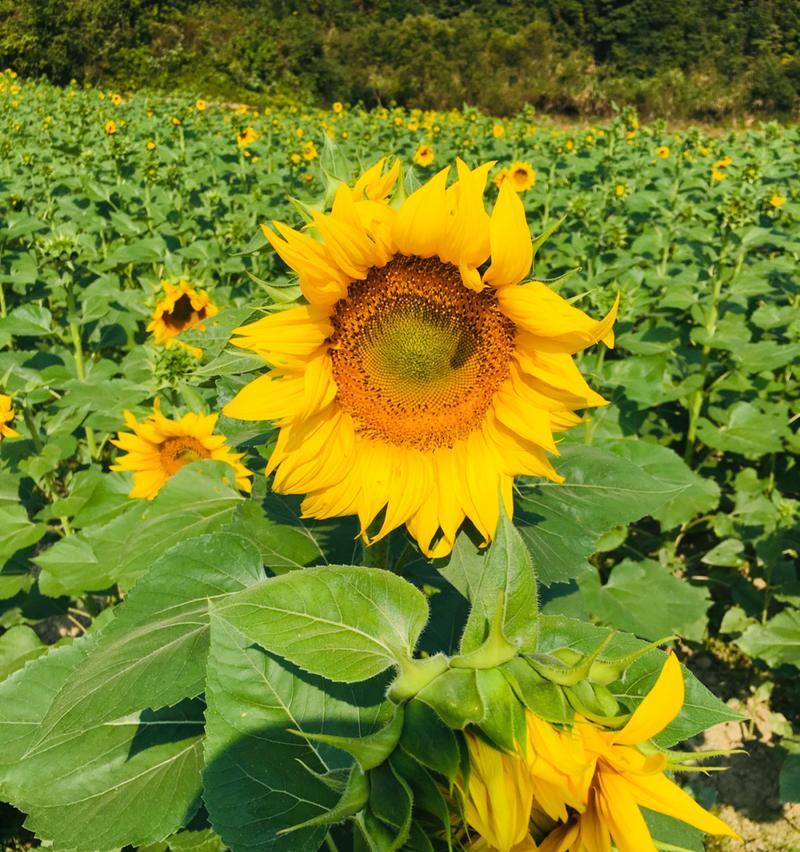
381, 480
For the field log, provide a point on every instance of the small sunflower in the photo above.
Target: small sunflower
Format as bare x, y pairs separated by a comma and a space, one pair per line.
424, 155
200, 105
422, 375
662, 151
338, 107
777, 200
521, 176
158, 447
246, 137
181, 308
6, 417
110, 127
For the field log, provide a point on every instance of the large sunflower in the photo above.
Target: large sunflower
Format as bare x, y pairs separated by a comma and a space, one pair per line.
421, 376
157, 447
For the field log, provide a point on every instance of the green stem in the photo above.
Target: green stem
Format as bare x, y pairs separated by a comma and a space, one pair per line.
377, 555
3, 311
29, 422
80, 367
330, 845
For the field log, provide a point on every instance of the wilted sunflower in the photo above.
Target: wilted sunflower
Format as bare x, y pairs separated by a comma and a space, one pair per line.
158, 447
422, 376
181, 308
6, 417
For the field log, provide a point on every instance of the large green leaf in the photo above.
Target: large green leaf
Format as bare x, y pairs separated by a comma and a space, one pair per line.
153, 652
562, 523
194, 501
625, 601
259, 778
102, 786
342, 622
16, 530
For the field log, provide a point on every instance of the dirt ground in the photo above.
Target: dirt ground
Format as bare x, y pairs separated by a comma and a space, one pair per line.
746, 794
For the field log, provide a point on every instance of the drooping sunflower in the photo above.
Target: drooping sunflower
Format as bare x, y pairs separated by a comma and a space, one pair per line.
6, 418
158, 447
422, 375
182, 307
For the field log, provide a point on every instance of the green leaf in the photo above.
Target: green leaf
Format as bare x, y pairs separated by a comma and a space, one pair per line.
16, 531
504, 575
625, 601
153, 652
696, 496
342, 622
776, 642
562, 523
671, 831
130, 782
789, 780
196, 500
17, 646
746, 430
726, 554
259, 777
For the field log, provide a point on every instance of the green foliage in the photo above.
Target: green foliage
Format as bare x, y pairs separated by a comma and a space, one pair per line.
689, 59
223, 665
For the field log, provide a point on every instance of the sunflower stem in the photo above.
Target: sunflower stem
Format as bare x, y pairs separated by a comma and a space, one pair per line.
377, 554
80, 367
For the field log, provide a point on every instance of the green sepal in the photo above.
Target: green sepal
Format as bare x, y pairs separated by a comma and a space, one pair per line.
373, 834
541, 696
495, 650
545, 236
379, 823
369, 751
415, 675
418, 840
607, 671
354, 799
583, 698
504, 718
305, 210
454, 696
285, 295
429, 741
426, 792
552, 667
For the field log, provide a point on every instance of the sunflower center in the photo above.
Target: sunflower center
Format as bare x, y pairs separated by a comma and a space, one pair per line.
416, 355
183, 315
180, 451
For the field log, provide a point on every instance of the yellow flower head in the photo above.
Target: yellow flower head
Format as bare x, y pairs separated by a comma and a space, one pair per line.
777, 200
500, 178
200, 105
338, 107
151, 146
521, 176
569, 144
662, 151
424, 155
116, 99
175, 121
6, 417
620, 189
110, 127
626, 779
181, 307
718, 175
158, 447
424, 372
498, 131
296, 158
723, 162
309, 151
246, 137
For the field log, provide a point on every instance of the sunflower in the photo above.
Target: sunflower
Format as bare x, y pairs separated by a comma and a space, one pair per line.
629, 775
777, 200
521, 176
110, 127
662, 151
6, 417
246, 137
181, 308
424, 155
158, 447
421, 376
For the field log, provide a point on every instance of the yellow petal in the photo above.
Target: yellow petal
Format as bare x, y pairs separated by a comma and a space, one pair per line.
512, 247
286, 338
269, 397
619, 811
658, 708
421, 222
